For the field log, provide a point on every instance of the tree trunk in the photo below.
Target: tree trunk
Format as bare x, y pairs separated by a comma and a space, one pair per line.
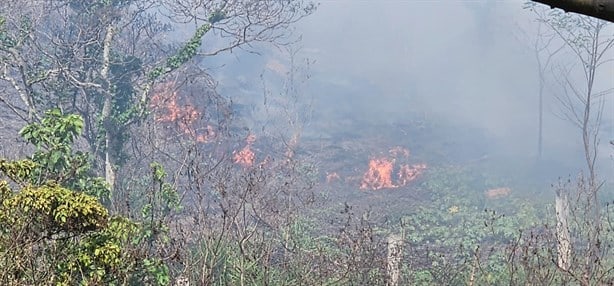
106, 108
540, 131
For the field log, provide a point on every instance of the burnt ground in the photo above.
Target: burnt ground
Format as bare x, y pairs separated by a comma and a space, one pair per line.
342, 158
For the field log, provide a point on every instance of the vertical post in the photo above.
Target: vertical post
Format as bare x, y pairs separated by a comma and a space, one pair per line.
182, 281
393, 262
561, 204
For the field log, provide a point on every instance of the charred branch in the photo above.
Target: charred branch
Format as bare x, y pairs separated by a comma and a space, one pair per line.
602, 9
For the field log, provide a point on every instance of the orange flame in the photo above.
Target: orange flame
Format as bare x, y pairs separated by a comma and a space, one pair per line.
409, 173
379, 175
209, 135
398, 150
331, 177
291, 146
381, 170
246, 156
498, 193
168, 110
250, 139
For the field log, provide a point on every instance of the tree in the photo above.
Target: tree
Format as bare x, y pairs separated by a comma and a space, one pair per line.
585, 38
544, 48
101, 59
602, 9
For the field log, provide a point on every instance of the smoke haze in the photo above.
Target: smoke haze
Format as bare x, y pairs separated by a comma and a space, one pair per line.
465, 64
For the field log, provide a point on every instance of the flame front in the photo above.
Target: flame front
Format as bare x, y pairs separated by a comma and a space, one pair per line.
168, 110
379, 175
332, 177
246, 156
498, 193
399, 151
381, 170
409, 173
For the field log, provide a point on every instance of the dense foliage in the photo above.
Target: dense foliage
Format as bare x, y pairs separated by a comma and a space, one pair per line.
55, 230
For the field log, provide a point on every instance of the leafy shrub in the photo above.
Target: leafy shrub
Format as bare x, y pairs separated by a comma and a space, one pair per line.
53, 227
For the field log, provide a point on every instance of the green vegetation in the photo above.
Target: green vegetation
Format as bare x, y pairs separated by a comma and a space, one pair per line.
55, 230
174, 205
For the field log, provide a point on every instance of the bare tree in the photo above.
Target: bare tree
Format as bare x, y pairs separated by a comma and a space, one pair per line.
242, 219
544, 53
582, 105
102, 59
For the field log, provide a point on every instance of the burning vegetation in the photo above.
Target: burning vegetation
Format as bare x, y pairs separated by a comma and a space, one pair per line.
379, 175
497, 193
246, 157
409, 173
332, 177
167, 109
382, 171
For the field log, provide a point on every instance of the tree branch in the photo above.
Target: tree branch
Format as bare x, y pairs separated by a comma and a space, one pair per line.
602, 9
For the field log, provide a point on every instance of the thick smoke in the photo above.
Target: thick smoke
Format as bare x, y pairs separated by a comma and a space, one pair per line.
467, 65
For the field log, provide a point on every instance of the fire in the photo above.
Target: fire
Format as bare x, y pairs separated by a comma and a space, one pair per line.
381, 170
164, 101
208, 136
498, 193
398, 150
246, 156
409, 173
291, 146
250, 139
379, 175
331, 177
166, 109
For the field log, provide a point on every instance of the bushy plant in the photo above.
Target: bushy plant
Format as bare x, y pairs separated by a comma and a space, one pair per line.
54, 228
